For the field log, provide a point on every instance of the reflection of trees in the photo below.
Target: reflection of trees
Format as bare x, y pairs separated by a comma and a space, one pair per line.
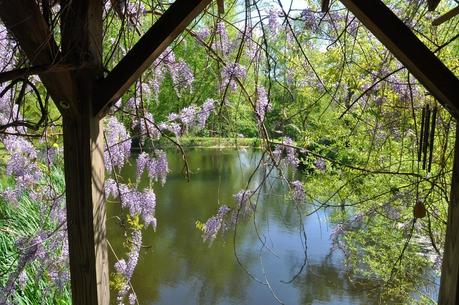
177, 253
326, 283
203, 274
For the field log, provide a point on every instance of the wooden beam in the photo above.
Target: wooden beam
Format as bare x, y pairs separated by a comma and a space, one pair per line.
325, 6
432, 4
221, 7
416, 57
25, 21
447, 16
449, 294
81, 28
146, 50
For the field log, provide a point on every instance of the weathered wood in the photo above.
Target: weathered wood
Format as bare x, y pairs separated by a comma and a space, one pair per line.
26, 72
83, 151
449, 282
146, 50
416, 57
432, 4
25, 21
325, 6
447, 16
221, 7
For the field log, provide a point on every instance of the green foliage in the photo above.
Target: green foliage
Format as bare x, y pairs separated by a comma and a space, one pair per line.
23, 221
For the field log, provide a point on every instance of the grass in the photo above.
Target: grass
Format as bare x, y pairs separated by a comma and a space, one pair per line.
214, 142
22, 221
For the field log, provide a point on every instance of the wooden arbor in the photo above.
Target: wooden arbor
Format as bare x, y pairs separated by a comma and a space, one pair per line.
83, 96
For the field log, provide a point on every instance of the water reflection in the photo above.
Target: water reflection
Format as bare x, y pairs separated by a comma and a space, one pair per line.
177, 268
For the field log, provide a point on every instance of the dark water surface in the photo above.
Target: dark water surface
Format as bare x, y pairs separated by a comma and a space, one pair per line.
176, 267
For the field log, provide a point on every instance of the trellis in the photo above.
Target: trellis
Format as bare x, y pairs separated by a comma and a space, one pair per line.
82, 93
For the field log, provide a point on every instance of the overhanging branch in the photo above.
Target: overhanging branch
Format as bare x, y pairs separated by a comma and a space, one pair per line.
416, 57
145, 51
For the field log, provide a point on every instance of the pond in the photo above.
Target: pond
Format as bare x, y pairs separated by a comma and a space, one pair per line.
176, 267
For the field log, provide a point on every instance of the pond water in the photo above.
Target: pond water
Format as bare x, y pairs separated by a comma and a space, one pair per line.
176, 267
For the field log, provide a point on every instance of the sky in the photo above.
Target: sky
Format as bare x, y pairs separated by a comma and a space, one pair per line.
296, 4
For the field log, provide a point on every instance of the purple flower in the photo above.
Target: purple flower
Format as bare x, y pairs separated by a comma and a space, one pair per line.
158, 167
262, 104
243, 200
229, 73
138, 203
285, 152
188, 116
309, 18
132, 299
22, 161
118, 146
180, 72
203, 33
320, 164
298, 191
222, 42
207, 108
214, 224
126, 267
147, 127
273, 22
175, 128
142, 161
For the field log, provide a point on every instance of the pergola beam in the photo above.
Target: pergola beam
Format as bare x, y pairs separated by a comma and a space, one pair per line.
432, 4
413, 54
25, 21
146, 50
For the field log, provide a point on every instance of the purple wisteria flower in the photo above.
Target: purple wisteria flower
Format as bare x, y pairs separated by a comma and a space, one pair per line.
298, 193
147, 127
309, 19
229, 73
262, 104
243, 200
206, 110
180, 72
188, 116
182, 76
7, 46
320, 164
214, 224
21, 164
203, 33
158, 167
222, 43
273, 21
118, 145
125, 267
138, 203
285, 152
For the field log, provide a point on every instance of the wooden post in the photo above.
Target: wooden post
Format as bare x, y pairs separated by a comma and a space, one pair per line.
83, 152
450, 268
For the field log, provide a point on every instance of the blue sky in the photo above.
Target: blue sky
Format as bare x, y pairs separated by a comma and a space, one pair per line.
296, 4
